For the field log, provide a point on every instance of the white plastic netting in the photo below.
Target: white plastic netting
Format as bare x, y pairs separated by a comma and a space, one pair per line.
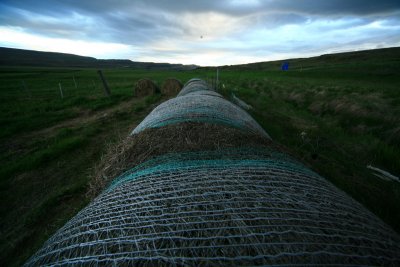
198, 103
228, 207
196, 85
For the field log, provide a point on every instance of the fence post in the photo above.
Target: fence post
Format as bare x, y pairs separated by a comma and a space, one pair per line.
76, 86
105, 85
61, 91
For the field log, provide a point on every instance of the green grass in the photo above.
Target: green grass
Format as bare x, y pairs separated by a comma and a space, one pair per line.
41, 157
351, 118
348, 108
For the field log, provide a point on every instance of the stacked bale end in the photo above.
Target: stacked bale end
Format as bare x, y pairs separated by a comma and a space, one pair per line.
171, 87
198, 102
145, 87
196, 85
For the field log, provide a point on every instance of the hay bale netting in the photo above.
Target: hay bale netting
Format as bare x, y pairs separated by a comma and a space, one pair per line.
171, 87
196, 85
145, 87
197, 102
227, 207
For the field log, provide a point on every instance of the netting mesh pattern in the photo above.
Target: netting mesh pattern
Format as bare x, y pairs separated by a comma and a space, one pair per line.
199, 108
196, 85
198, 103
228, 207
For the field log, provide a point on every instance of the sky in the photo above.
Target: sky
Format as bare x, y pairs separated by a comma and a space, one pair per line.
206, 33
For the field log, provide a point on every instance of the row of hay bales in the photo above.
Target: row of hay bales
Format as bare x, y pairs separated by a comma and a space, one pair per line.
145, 87
200, 183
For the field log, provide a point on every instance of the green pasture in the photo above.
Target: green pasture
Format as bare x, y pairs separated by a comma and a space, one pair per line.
336, 116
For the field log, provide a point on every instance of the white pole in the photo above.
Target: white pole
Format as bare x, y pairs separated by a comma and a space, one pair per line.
76, 86
61, 91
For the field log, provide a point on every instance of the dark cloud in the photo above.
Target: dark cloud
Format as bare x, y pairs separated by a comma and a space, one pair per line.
235, 7
49, 27
278, 19
106, 22
329, 7
338, 7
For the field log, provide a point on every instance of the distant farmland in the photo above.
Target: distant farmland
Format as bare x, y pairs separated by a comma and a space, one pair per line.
336, 113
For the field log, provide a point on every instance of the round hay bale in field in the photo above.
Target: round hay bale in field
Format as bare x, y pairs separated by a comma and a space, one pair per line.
171, 87
145, 87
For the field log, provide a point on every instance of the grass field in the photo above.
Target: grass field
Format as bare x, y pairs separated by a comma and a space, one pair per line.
337, 114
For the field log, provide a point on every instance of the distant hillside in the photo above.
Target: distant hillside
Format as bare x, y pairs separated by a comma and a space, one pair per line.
349, 59
21, 57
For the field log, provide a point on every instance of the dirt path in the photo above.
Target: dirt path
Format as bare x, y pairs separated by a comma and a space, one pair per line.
85, 118
21, 144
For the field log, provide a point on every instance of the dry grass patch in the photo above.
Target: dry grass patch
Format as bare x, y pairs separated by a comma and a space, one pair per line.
296, 97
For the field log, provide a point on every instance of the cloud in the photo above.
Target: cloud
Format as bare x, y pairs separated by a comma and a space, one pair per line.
339, 7
217, 32
14, 37
230, 7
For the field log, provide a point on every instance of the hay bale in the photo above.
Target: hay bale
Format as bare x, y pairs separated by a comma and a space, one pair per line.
229, 207
171, 87
200, 104
145, 87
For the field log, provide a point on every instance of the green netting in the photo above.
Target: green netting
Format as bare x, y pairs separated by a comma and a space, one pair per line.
248, 156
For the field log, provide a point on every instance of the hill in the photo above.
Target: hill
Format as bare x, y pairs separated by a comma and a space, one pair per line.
30, 58
328, 60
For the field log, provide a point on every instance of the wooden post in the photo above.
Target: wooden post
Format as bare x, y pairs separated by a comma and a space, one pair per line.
76, 86
105, 85
61, 91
